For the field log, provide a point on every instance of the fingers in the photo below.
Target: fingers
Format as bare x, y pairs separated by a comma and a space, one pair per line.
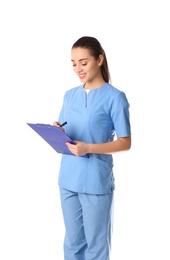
56, 123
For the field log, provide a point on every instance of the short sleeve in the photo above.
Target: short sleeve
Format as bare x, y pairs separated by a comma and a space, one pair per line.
121, 116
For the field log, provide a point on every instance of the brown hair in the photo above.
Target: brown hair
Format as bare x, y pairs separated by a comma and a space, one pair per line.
95, 48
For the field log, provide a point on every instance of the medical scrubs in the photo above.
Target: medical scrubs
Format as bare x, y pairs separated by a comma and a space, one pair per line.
87, 184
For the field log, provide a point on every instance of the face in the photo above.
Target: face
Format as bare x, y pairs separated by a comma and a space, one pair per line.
85, 65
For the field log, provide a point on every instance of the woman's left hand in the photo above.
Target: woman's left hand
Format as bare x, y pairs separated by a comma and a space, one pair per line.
79, 148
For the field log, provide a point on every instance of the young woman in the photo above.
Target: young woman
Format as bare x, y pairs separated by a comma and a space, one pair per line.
97, 116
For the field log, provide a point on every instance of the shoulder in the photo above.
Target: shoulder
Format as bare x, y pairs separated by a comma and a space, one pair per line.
113, 89
74, 90
114, 92
116, 96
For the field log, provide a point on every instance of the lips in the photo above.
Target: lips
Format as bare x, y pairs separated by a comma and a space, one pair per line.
82, 76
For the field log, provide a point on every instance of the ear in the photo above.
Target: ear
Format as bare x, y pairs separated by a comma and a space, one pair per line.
100, 59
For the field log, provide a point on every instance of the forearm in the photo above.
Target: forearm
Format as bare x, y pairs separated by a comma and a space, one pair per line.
121, 144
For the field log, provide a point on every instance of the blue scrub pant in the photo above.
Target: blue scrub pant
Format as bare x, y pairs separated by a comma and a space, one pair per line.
88, 225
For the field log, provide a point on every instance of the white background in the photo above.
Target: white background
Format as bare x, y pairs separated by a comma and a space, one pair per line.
35, 71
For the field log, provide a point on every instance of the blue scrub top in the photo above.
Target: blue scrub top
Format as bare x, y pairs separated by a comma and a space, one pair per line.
93, 118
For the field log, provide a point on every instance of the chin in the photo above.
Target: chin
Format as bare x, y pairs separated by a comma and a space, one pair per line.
83, 80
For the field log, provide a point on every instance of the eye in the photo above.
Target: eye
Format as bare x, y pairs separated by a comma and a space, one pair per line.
84, 64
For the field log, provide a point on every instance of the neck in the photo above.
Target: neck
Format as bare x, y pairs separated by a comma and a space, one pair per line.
93, 85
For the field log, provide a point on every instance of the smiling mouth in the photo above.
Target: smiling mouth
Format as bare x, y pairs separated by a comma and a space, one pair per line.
82, 76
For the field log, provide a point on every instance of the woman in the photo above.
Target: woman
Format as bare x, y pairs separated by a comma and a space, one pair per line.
97, 116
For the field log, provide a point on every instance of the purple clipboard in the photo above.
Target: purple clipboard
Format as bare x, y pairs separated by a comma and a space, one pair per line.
54, 136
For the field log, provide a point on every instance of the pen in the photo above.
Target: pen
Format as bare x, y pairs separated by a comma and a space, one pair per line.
63, 124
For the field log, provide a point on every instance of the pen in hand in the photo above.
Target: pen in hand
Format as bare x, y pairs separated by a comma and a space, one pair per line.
63, 124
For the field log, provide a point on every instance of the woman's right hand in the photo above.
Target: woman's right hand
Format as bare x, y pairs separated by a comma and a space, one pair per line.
56, 123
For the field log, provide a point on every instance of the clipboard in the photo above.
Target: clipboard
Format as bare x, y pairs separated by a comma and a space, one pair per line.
55, 137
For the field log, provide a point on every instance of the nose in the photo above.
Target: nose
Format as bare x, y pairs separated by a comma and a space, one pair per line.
79, 68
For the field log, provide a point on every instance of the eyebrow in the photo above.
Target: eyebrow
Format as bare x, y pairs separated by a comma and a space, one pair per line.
81, 59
